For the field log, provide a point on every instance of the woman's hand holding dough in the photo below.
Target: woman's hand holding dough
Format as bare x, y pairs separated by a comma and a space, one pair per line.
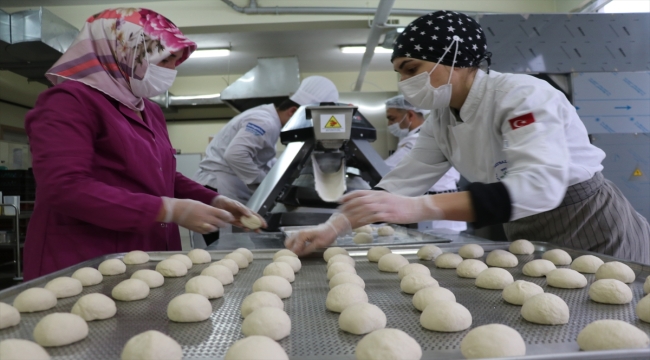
194, 215
237, 209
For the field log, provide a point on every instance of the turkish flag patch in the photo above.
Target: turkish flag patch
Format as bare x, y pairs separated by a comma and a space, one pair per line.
521, 121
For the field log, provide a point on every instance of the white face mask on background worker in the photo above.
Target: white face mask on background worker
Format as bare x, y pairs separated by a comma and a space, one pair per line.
396, 129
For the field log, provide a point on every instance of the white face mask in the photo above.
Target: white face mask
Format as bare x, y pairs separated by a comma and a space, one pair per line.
419, 91
397, 131
156, 80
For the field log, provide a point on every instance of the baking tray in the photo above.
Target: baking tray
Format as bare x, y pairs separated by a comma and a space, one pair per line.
315, 333
402, 236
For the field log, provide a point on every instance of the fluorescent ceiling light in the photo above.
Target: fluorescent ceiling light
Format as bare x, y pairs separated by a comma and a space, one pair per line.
400, 29
362, 49
627, 6
205, 53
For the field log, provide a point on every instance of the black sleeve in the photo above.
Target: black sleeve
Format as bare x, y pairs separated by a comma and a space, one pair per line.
491, 203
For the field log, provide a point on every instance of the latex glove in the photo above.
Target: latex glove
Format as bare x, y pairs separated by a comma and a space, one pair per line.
306, 241
368, 206
237, 210
195, 216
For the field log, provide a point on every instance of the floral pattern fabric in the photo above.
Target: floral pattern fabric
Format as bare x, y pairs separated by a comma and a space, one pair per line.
117, 45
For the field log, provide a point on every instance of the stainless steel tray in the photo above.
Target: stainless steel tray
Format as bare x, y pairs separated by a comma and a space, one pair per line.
402, 236
315, 333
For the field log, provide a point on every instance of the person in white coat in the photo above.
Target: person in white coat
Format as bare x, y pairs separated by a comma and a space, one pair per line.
518, 140
405, 122
240, 155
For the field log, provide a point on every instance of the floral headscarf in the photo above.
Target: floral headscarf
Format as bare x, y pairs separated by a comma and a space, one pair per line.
110, 49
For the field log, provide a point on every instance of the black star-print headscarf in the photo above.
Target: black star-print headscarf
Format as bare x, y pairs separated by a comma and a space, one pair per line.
430, 36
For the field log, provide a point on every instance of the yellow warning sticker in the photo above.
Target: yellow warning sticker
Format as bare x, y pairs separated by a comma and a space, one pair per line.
332, 123
637, 172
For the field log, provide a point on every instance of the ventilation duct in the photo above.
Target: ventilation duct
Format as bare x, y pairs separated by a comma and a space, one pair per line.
272, 80
32, 41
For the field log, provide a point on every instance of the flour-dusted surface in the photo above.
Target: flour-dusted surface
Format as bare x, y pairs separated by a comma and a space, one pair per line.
315, 332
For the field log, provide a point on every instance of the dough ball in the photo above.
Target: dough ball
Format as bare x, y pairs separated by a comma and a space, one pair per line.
388, 344
330, 252
339, 268
538, 268
426, 296
471, 251
643, 309
558, 257
341, 258
344, 295
239, 258
413, 283
280, 268
64, 287
492, 341
219, 272
94, 306
14, 349
448, 261
130, 290
207, 286
256, 348
429, 252
520, 291
376, 252
35, 299
184, 259
392, 262
285, 252
587, 264
199, 256
494, 278
229, 263
152, 344
346, 278
610, 291
9, 316
249, 254
88, 276
566, 279
153, 278
362, 238
189, 308
446, 316
60, 329
275, 284
366, 229
545, 309
267, 321
413, 269
251, 222
362, 318
385, 231
171, 268
136, 257
646, 285
522, 247
616, 270
294, 262
112, 267
258, 300
470, 268
501, 258
612, 335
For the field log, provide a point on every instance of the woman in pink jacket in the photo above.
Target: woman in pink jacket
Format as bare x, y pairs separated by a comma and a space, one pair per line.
104, 166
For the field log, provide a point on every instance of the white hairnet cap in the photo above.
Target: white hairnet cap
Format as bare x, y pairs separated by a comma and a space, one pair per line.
398, 102
315, 90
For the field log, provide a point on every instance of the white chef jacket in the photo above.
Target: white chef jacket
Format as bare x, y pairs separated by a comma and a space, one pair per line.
239, 154
449, 181
515, 129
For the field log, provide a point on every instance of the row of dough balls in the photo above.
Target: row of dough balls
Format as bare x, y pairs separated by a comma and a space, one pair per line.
98, 306
363, 235
265, 320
